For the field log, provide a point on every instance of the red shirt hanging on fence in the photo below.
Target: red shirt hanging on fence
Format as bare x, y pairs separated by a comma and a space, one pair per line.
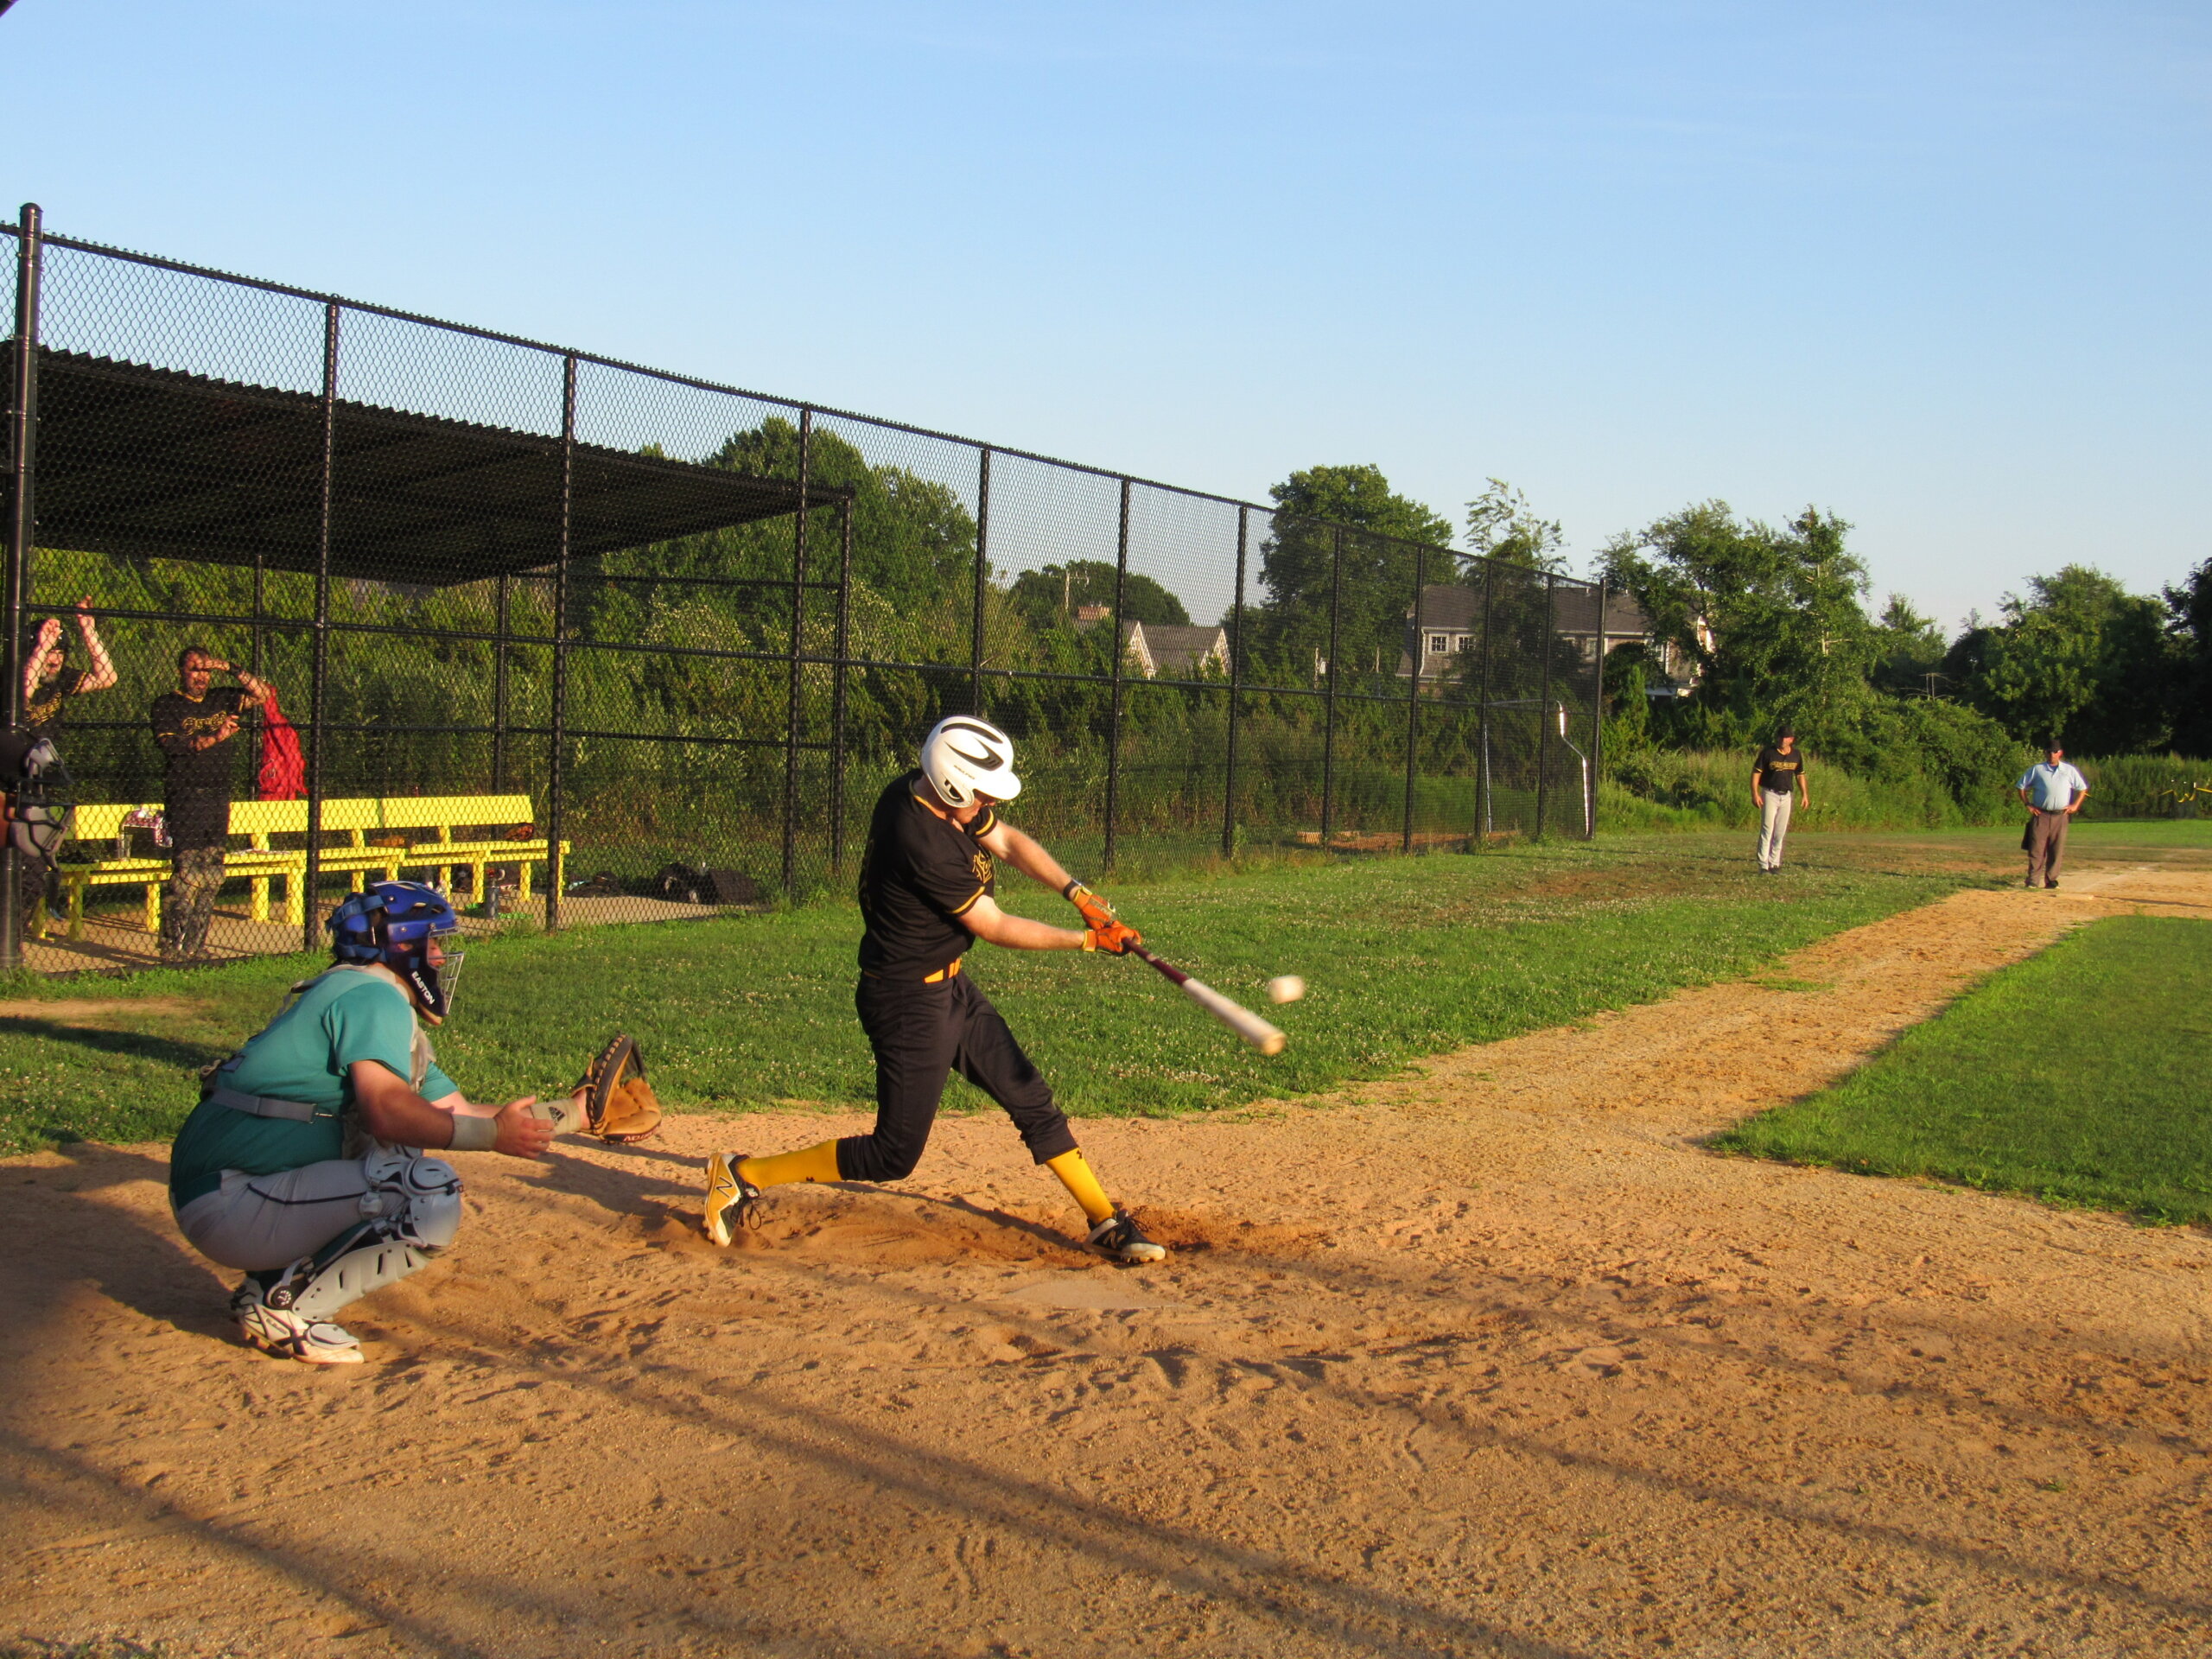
283, 771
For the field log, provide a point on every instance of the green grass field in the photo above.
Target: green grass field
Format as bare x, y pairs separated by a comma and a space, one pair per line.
2083, 1076
1406, 958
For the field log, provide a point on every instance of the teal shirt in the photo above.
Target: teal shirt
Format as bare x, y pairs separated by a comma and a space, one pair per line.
302, 1054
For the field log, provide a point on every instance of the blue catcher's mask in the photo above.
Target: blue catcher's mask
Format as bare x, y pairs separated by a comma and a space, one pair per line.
392, 925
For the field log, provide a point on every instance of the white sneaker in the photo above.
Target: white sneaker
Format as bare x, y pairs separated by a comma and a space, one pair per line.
294, 1335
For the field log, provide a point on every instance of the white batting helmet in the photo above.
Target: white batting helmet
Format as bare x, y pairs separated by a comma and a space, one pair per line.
964, 757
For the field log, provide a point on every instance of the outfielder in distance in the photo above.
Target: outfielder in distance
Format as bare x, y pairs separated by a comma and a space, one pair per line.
926, 890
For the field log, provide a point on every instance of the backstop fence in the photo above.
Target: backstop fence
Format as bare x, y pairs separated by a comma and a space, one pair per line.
590, 642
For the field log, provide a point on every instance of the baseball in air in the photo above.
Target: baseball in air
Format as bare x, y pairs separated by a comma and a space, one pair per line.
1287, 988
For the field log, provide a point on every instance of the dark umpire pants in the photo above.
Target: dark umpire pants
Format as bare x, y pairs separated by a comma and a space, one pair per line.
920, 1033
2046, 844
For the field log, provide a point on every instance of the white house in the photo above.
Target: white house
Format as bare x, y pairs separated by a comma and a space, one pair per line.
1179, 653
1451, 618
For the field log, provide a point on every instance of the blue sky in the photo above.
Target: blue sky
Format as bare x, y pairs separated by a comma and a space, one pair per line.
1940, 268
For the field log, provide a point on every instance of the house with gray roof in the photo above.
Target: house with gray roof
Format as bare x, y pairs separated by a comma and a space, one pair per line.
1450, 623
1163, 651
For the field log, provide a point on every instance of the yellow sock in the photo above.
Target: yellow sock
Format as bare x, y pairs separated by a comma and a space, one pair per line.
814, 1164
1082, 1185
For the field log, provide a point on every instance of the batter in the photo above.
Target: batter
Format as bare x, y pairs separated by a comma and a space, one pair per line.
927, 890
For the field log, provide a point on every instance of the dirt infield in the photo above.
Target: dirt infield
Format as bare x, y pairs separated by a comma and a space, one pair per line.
1493, 1359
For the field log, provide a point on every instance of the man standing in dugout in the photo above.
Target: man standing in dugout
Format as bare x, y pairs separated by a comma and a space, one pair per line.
1773, 774
926, 892
196, 725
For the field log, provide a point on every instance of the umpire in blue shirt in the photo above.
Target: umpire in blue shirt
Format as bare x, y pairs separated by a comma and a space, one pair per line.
2054, 792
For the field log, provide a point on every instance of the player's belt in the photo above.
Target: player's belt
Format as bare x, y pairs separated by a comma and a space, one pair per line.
937, 978
298, 1111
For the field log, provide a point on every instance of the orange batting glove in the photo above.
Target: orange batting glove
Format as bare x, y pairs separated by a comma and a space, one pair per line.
1096, 912
1115, 937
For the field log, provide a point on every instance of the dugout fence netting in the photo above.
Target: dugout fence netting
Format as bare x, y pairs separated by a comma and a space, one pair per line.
587, 642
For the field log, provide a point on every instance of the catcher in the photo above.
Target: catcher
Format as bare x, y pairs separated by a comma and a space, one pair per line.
927, 893
304, 1162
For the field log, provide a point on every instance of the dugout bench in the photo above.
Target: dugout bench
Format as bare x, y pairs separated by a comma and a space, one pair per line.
388, 817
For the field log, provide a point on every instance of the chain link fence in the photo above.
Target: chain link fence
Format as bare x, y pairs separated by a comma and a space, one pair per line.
584, 643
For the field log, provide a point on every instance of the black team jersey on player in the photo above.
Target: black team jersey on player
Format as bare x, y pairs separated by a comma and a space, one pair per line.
919, 876
45, 710
1778, 772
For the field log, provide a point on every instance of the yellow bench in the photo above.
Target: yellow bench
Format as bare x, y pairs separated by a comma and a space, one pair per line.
257, 862
356, 817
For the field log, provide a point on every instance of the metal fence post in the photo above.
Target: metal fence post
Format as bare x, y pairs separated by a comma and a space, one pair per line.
1544, 701
254, 720
22, 528
319, 656
1484, 797
1597, 716
1236, 690
837, 689
555, 772
1114, 706
799, 645
982, 578
1417, 656
1329, 711
499, 684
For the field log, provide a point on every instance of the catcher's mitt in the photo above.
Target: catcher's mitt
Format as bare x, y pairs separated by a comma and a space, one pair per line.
619, 1104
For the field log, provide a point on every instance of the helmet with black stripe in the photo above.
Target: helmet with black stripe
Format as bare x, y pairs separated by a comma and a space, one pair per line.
964, 757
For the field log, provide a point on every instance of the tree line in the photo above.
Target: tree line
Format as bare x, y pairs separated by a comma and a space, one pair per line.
1767, 624
677, 681
677, 678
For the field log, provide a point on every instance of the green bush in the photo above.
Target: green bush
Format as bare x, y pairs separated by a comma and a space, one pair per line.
2147, 786
1705, 789
1712, 788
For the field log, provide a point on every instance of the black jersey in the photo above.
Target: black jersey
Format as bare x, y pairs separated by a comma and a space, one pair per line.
198, 782
1778, 772
919, 876
43, 710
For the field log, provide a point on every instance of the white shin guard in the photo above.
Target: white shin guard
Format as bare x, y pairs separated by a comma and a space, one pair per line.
410, 1212
370, 1263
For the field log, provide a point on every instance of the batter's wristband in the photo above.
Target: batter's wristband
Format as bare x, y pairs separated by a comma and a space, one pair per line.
1068, 893
474, 1135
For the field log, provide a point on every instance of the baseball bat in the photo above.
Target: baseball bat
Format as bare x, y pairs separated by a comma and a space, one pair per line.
1245, 1023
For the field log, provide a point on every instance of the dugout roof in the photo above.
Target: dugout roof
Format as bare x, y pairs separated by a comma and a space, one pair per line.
158, 463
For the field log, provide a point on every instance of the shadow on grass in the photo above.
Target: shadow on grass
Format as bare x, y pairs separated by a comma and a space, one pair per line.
162, 1050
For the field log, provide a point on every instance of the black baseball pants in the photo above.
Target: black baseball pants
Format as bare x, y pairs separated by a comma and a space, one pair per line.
920, 1033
